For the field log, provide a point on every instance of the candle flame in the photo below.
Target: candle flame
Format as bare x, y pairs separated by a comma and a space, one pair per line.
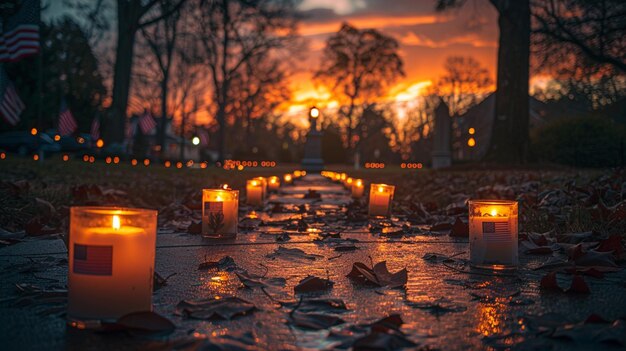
273, 181
218, 198
380, 189
116, 222
359, 183
254, 183
225, 186
494, 212
288, 177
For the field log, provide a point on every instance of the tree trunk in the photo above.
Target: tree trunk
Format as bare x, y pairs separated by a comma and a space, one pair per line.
163, 125
509, 137
182, 136
127, 28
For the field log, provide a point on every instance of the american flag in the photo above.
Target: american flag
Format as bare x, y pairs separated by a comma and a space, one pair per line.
95, 129
11, 106
213, 207
496, 232
93, 259
204, 137
20, 37
146, 122
67, 123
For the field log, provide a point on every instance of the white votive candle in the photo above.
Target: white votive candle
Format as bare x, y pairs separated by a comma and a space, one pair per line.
493, 230
220, 213
381, 196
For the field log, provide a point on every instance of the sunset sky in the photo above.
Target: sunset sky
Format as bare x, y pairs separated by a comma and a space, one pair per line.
426, 38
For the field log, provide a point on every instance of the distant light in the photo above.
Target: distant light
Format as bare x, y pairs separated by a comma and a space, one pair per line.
108, 159
179, 165
3, 156
471, 142
240, 168
33, 131
100, 143
116, 159
195, 140
36, 157
167, 164
203, 165
80, 140
57, 137
146, 162
189, 163
133, 162
471, 131
86, 158
92, 159
315, 112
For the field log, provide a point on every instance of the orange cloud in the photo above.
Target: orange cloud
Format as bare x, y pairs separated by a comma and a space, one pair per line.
413, 39
369, 22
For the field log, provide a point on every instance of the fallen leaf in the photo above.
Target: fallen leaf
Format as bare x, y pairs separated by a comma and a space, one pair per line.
146, 321
579, 286
378, 275
295, 253
315, 321
549, 283
222, 308
225, 263
250, 280
313, 284
459, 229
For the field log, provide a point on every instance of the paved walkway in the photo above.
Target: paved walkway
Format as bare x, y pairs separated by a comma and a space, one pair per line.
443, 306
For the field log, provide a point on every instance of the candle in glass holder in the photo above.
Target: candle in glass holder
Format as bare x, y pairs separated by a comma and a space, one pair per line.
357, 188
254, 192
111, 263
273, 183
220, 212
297, 174
263, 182
493, 233
288, 178
348, 183
380, 199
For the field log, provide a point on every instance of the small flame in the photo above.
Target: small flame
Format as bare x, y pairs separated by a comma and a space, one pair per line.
218, 198
116, 222
494, 212
225, 186
359, 183
254, 183
273, 181
380, 189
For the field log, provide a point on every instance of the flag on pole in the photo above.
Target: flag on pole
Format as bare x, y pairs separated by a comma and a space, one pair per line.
146, 122
20, 37
67, 123
204, 137
95, 129
11, 106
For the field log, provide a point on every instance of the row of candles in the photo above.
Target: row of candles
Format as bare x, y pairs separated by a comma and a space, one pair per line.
108, 278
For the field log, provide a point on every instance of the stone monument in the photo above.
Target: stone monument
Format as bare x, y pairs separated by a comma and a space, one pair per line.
442, 156
312, 161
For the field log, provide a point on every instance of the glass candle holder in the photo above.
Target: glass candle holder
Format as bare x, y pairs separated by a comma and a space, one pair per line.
357, 188
254, 192
348, 183
493, 229
220, 213
381, 196
297, 174
111, 263
263, 182
273, 183
288, 178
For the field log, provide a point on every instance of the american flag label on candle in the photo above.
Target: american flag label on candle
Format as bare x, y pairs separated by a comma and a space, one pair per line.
93, 259
214, 208
496, 232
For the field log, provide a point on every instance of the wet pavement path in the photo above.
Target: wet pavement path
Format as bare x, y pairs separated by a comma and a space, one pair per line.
445, 304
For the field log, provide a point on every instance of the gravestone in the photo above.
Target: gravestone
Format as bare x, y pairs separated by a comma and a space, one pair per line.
441, 154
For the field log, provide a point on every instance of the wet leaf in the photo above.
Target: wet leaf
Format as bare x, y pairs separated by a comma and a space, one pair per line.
315, 321
549, 283
222, 308
295, 253
313, 284
378, 275
459, 229
437, 307
146, 321
225, 263
579, 286
250, 280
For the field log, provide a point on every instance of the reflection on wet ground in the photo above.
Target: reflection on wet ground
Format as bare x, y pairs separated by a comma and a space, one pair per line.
443, 307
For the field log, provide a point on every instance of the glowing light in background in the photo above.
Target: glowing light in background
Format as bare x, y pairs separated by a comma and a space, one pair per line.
33, 131
195, 140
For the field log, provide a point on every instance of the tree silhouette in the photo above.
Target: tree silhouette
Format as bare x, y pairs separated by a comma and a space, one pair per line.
510, 136
581, 43
463, 84
357, 65
233, 34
